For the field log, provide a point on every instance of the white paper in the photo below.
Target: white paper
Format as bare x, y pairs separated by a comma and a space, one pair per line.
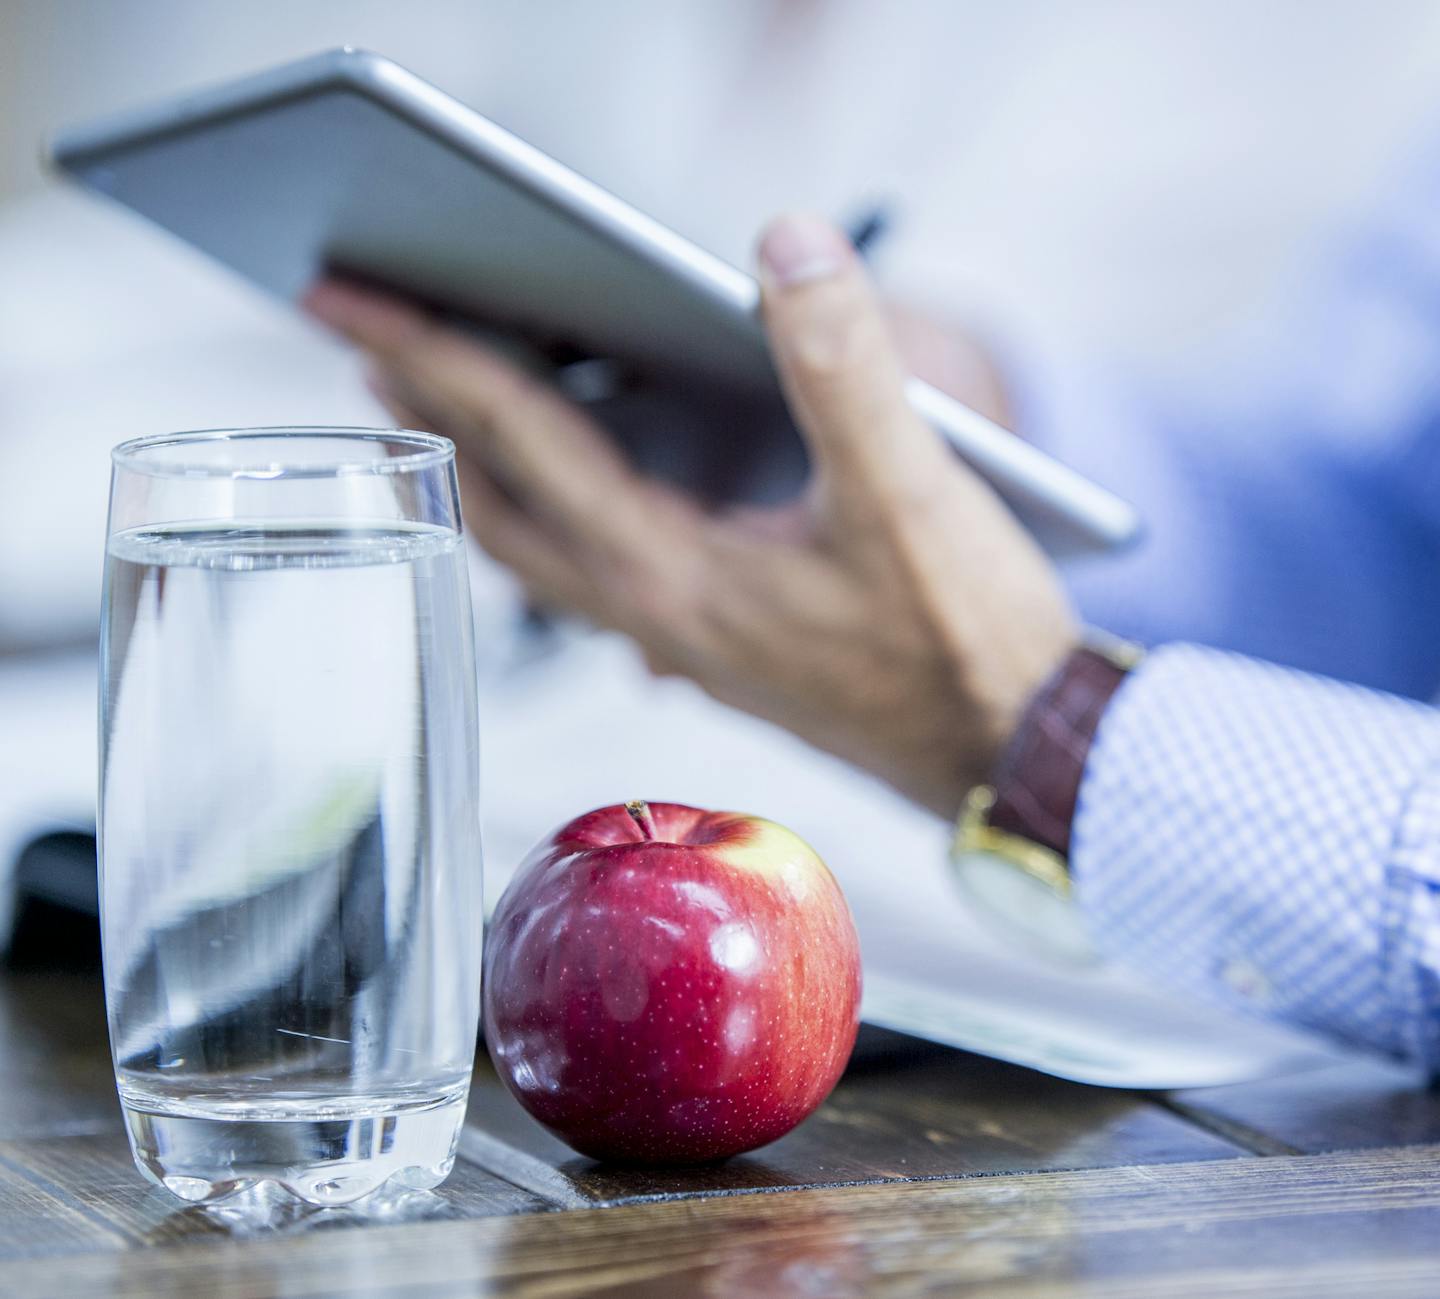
591, 727
587, 725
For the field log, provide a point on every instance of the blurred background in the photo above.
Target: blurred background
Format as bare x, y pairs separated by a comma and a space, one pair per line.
1126, 180
1117, 184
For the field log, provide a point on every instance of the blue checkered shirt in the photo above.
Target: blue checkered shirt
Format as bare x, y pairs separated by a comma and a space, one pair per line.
1245, 831
1250, 833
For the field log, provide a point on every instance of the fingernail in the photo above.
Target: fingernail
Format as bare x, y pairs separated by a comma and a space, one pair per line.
799, 248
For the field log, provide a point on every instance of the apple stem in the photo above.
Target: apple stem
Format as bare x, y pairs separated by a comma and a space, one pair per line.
641, 814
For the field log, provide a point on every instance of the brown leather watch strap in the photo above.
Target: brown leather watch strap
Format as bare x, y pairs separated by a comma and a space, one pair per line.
1037, 779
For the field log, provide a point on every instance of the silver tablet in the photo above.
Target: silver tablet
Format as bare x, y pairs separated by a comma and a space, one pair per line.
346, 161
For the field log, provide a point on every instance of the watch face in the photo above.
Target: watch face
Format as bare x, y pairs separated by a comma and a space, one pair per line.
1028, 910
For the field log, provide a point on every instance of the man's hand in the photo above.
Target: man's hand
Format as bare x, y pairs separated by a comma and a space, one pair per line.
897, 615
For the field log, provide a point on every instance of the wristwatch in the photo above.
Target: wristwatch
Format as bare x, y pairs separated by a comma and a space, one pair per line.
1011, 848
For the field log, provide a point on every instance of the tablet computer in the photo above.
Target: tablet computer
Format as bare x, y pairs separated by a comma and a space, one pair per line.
347, 162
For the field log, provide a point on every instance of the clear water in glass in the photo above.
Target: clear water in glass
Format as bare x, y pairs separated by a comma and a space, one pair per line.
290, 854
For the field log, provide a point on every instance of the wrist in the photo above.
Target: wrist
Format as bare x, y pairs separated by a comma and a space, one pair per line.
1012, 841
1036, 776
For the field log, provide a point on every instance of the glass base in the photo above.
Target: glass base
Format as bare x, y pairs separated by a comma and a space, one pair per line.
322, 1160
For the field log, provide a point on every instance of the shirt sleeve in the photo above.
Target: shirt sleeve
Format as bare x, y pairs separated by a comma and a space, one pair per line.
1270, 840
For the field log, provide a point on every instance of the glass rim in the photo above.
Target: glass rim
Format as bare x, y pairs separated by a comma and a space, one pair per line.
430, 449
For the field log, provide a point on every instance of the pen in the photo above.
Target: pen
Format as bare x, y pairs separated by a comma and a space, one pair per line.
868, 228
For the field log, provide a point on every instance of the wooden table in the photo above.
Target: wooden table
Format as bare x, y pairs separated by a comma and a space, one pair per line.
929, 1171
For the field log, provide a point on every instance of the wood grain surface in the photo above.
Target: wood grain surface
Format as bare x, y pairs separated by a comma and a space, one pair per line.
929, 1171
86, 1189
915, 1111
1327, 1225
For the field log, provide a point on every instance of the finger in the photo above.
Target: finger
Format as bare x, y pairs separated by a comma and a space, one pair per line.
839, 366
614, 527
547, 571
541, 447
792, 522
953, 359
658, 665
493, 411
654, 608
405, 415
457, 377
501, 529
375, 320
642, 582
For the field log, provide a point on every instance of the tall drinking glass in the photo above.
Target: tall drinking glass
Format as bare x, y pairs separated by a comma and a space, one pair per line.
289, 829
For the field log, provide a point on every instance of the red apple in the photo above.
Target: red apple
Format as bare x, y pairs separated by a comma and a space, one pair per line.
668, 985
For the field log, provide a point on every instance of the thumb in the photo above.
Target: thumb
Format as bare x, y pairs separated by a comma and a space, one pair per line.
838, 364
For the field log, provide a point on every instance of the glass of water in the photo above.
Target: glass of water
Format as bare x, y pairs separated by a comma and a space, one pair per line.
289, 826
